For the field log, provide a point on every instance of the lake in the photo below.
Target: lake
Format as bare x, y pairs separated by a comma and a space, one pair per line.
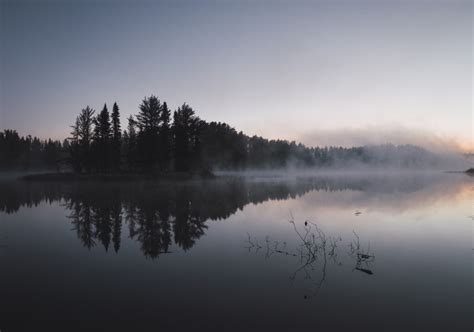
351, 252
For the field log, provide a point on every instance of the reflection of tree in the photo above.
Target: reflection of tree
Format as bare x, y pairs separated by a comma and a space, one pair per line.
221, 198
151, 231
103, 224
82, 222
130, 218
155, 213
97, 218
116, 212
188, 225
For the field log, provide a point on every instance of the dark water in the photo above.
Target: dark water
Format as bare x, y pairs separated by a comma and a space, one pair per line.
385, 252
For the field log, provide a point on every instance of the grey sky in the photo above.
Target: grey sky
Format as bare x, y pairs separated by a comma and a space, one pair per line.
283, 69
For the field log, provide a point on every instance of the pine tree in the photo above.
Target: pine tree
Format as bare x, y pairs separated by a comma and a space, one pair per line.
131, 145
102, 138
116, 138
148, 122
81, 140
186, 138
148, 118
165, 138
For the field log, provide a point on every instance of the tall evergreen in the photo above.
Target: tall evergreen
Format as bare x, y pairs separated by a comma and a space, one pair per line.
131, 144
165, 138
102, 140
186, 138
81, 139
148, 122
116, 138
103, 129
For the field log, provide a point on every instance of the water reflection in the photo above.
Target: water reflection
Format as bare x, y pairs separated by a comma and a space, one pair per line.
160, 215
55, 264
314, 251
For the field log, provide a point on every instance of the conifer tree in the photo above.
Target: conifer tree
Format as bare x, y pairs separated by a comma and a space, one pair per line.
131, 145
116, 138
148, 122
186, 138
81, 140
165, 138
102, 138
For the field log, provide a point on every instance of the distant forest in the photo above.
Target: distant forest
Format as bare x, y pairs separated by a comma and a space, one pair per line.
159, 141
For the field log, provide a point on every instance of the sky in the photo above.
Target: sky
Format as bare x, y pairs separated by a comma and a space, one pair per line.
319, 72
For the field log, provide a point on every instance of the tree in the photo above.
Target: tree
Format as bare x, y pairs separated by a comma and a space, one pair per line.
186, 127
102, 137
148, 122
130, 144
81, 140
50, 153
9, 149
222, 146
116, 138
164, 138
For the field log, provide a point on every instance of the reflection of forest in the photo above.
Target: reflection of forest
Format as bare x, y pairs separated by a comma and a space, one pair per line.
154, 213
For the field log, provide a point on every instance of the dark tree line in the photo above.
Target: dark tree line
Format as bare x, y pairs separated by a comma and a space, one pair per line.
24, 153
157, 140
150, 143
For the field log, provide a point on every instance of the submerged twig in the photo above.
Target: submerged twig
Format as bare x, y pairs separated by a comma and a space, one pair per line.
314, 249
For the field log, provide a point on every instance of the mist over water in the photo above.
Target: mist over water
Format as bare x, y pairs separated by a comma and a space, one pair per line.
396, 148
380, 135
151, 247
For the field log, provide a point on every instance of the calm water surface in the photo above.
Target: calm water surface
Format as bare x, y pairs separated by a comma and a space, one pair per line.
385, 252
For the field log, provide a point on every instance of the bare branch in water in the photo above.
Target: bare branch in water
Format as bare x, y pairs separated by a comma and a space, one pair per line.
314, 249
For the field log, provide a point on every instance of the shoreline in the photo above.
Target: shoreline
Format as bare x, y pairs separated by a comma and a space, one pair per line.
126, 177
187, 176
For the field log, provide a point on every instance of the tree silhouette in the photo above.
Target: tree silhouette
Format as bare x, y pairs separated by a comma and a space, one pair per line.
23, 153
130, 145
222, 147
148, 122
165, 138
116, 138
11, 147
152, 145
101, 140
81, 138
186, 127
